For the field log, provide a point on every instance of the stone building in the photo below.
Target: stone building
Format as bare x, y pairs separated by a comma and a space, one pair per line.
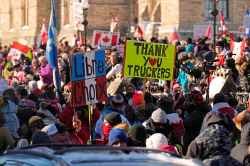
185, 15
22, 19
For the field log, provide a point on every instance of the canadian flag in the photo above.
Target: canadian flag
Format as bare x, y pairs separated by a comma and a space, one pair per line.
222, 27
105, 39
208, 32
174, 36
44, 35
114, 24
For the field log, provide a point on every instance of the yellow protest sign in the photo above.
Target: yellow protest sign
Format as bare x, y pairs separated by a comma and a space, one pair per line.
149, 60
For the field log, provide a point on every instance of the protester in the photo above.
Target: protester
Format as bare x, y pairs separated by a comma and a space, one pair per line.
118, 138
184, 116
215, 142
6, 140
240, 151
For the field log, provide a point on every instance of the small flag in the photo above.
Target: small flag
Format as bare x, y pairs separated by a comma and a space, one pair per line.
138, 32
44, 35
174, 36
18, 47
222, 27
208, 32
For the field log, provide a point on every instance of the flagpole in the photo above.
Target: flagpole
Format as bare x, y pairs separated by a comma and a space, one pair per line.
51, 50
85, 22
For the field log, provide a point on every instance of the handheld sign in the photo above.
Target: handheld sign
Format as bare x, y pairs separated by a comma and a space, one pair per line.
149, 60
88, 78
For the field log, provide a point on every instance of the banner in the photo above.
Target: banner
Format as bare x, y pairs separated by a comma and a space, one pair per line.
149, 60
105, 39
88, 78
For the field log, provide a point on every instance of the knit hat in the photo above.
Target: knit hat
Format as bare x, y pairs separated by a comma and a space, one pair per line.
176, 87
117, 135
34, 119
156, 140
40, 138
27, 104
169, 149
138, 99
137, 133
113, 118
197, 96
159, 116
117, 99
50, 129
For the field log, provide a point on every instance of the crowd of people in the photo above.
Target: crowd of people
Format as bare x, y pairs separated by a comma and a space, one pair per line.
179, 117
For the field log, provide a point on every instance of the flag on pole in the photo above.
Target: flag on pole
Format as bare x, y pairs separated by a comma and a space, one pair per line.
138, 32
114, 24
222, 27
51, 48
44, 34
208, 32
19, 48
174, 36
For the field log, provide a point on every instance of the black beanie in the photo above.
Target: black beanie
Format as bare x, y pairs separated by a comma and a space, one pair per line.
137, 133
113, 118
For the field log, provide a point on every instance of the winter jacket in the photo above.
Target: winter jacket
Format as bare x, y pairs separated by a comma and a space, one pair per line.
12, 122
182, 79
6, 139
241, 150
215, 138
192, 123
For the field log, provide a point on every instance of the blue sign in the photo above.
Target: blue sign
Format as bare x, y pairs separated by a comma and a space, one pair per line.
88, 65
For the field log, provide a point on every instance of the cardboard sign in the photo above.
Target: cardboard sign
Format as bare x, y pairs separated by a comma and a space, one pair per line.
105, 39
149, 60
88, 78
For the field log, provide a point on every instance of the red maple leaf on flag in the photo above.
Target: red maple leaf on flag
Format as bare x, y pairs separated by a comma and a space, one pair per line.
106, 39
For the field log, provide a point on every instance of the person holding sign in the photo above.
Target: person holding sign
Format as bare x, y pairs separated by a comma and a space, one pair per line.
116, 69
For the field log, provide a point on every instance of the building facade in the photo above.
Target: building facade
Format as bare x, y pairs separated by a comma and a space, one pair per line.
23, 19
187, 15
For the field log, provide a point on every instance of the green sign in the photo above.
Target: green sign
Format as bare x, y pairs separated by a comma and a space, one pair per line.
149, 60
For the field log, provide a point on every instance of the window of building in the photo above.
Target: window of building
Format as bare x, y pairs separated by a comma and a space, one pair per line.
222, 5
25, 12
66, 8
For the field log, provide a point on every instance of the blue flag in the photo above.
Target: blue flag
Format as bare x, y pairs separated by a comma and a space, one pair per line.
51, 48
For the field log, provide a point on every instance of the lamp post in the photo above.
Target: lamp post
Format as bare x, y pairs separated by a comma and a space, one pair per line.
214, 13
85, 7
